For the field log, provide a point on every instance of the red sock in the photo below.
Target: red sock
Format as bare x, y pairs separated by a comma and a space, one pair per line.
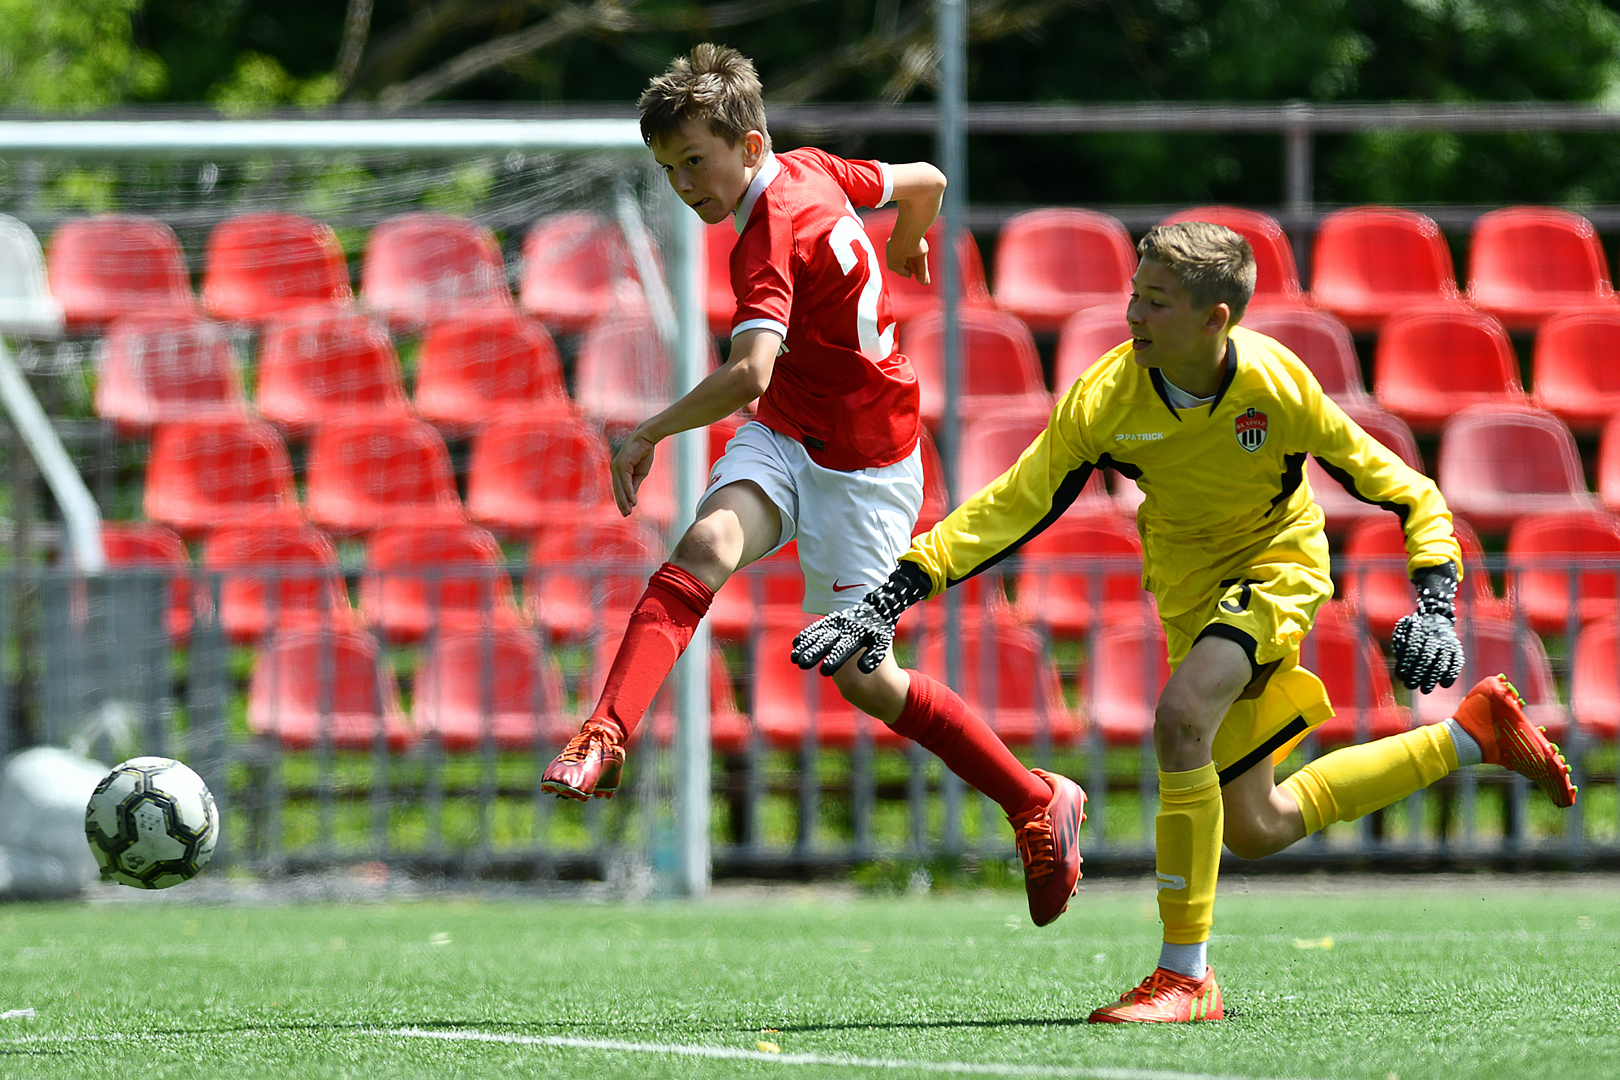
660, 628
937, 718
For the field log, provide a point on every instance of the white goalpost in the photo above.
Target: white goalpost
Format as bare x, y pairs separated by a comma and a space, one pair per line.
351, 175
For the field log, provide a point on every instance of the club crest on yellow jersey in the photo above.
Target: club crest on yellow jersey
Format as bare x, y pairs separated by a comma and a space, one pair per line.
1251, 429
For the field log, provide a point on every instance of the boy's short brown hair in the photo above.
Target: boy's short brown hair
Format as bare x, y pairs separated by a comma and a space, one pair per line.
1215, 264
716, 84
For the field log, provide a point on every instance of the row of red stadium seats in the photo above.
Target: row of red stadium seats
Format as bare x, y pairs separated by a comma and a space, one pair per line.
324, 363
526, 472
501, 683
1563, 569
327, 362
1525, 263
1428, 362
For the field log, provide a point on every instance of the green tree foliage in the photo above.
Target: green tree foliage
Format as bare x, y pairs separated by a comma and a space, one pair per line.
73, 55
245, 55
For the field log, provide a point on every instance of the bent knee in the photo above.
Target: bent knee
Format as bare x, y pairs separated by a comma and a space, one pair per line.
1256, 839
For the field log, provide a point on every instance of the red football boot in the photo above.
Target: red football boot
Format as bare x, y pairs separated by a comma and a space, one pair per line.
1165, 997
1048, 840
590, 765
1493, 713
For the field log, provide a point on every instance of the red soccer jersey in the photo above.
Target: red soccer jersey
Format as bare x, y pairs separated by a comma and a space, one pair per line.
804, 268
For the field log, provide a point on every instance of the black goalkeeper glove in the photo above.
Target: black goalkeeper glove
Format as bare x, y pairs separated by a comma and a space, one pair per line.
868, 625
1427, 651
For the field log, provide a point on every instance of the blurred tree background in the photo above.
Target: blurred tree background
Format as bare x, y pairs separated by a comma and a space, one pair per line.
391, 56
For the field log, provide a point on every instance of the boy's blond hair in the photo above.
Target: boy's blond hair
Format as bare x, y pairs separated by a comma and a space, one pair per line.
1214, 264
716, 84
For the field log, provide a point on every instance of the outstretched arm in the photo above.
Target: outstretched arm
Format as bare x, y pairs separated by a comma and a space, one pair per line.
918, 189
741, 379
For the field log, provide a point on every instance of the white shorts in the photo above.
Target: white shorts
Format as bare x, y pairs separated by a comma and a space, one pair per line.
851, 526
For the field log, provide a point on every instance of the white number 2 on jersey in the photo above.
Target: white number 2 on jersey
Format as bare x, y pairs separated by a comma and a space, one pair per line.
845, 237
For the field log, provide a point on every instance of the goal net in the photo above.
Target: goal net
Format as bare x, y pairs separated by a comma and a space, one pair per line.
345, 394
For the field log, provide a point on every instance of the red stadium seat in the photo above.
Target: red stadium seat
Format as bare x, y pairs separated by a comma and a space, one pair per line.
790, 705
328, 365
1000, 367
1053, 263
1352, 668
1594, 694
276, 577
315, 686
1007, 678
1608, 468
908, 297
1564, 565
1127, 671
537, 472
1276, 276
423, 267
1491, 645
1376, 583
421, 578
167, 365
485, 364
1371, 261
623, 373
1574, 372
1085, 337
1082, 569
1430, 364
110, 265
770, 589
369, 473
1340, 507
141, 545
576, 266
499, 682
201, 474
585, 577
262, 264
1323, 342
992, 442
1528, 262
1501, 462
719, 301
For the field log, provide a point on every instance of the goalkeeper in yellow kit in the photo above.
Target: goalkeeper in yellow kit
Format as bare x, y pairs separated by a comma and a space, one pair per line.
1213, 422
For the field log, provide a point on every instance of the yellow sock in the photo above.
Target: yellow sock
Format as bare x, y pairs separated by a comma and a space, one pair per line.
1188, 852
1357, 780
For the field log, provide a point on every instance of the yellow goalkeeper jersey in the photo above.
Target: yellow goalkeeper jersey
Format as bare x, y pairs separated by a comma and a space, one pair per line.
1224, 483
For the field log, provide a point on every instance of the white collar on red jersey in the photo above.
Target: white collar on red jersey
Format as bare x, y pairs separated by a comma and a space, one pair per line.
762, 180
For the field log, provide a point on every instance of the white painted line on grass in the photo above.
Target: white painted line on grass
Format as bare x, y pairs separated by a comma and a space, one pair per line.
732, 1053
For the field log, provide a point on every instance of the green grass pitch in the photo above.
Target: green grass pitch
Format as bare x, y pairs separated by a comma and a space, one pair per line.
1338, 979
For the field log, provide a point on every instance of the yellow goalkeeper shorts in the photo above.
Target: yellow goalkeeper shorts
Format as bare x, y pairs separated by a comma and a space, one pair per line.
1268, 610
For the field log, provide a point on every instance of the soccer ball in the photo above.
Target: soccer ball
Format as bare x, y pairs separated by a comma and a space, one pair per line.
151, 823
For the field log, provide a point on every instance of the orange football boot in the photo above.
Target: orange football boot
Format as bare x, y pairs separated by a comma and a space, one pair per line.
1165, 997
1048, 840
1493, 713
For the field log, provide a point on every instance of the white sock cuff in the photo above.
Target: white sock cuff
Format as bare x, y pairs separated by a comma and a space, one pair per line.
1188, 960
1468, 750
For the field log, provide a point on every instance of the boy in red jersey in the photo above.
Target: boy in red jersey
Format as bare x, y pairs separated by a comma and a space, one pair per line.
832, 457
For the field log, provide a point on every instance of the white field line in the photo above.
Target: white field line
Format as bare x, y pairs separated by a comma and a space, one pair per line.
730, 1053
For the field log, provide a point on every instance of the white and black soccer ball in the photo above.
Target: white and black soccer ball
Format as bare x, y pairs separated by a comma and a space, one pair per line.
151, 823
